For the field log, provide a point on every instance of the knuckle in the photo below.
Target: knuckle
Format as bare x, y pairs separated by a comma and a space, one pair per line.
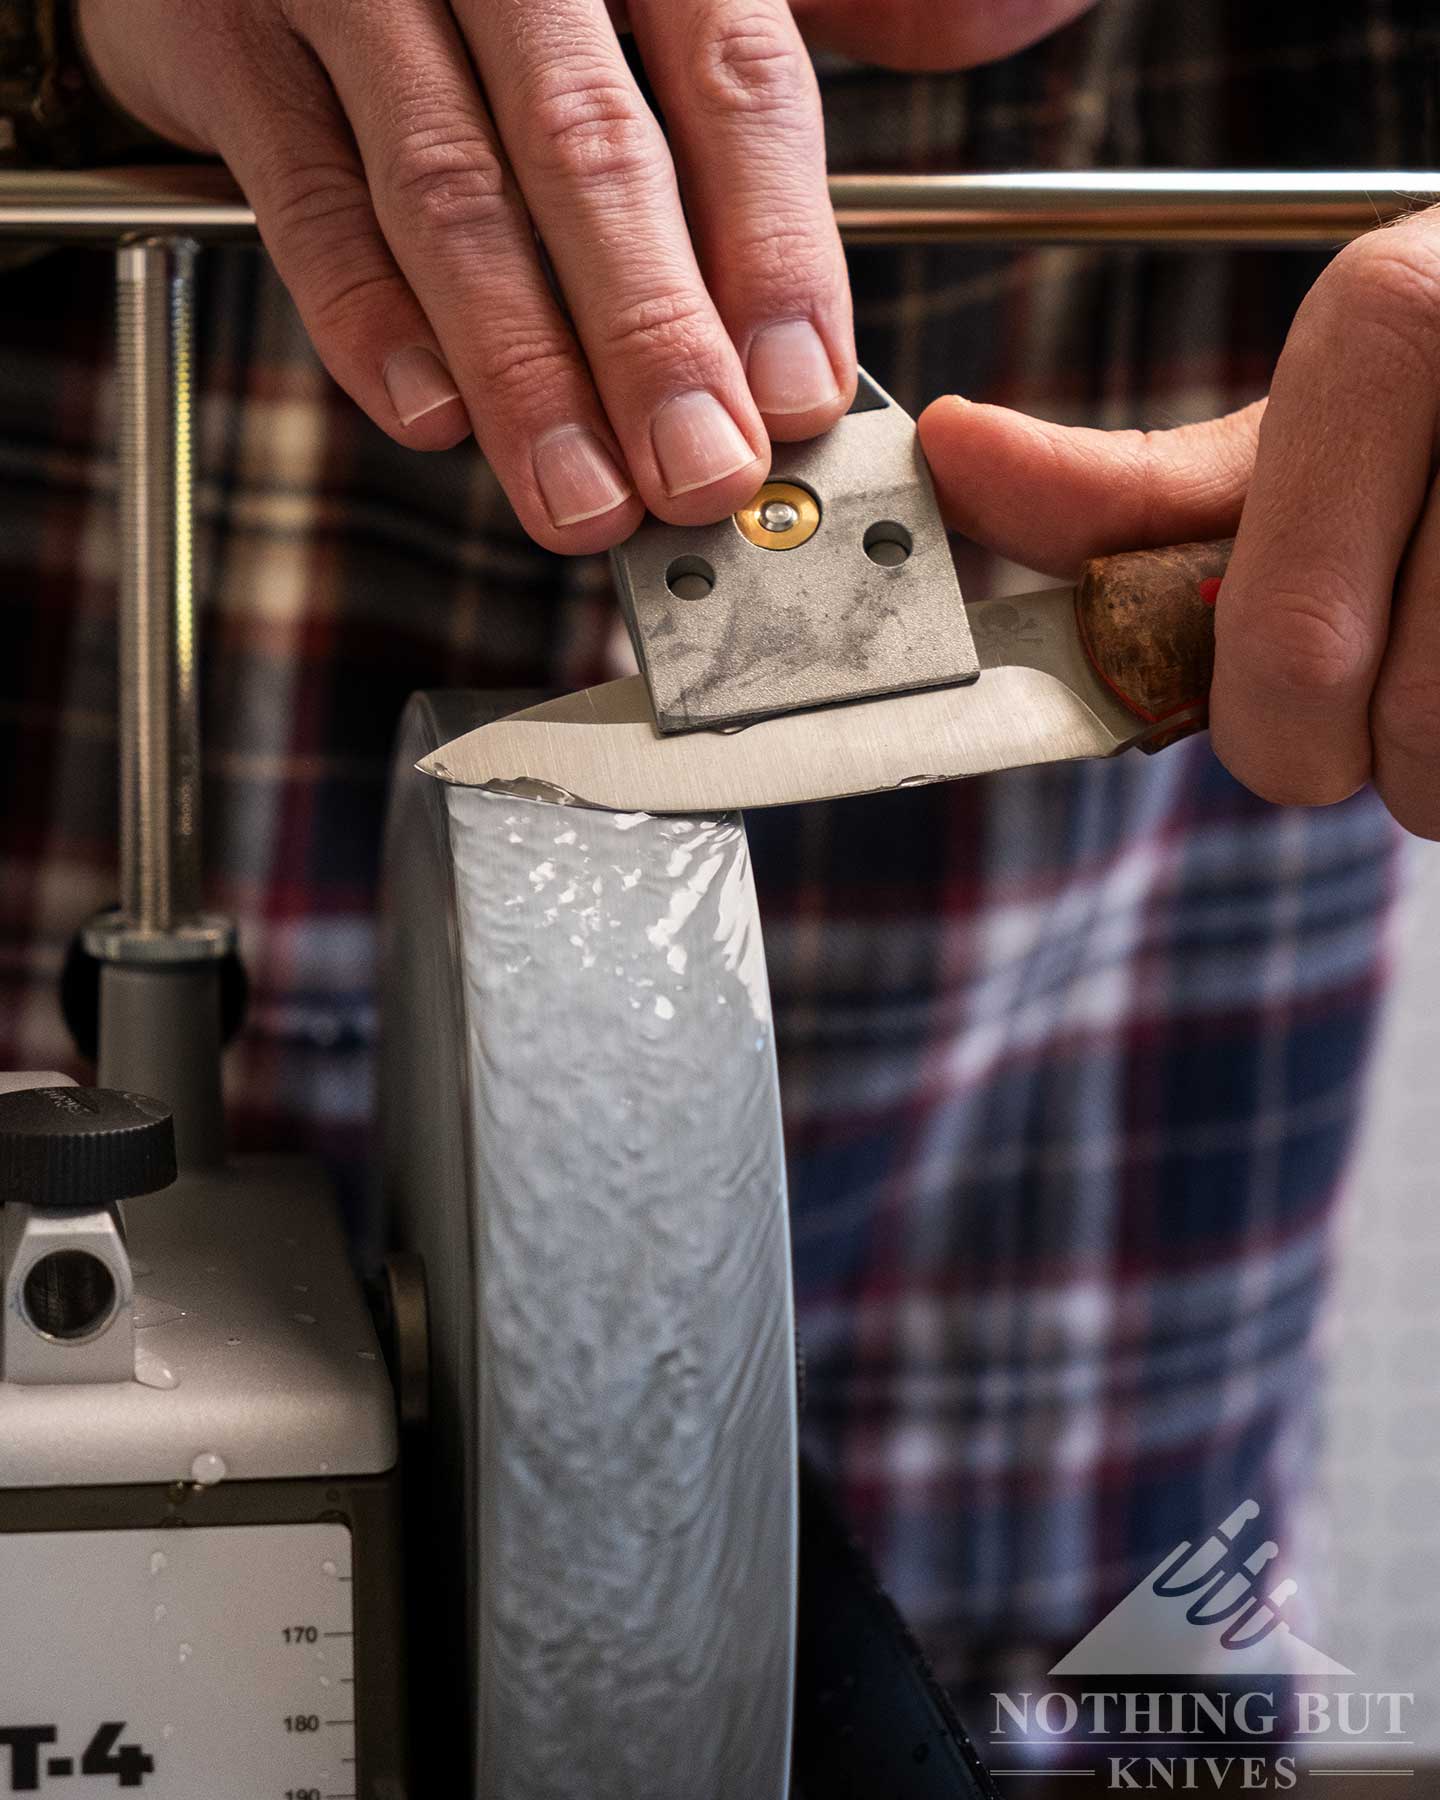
446, 178
586, 126
789, 261
520, 371
332, 259
1305, 645
348, 309
674, 326
322, 229
747, 61
1387, 287
316, 204
1165, 468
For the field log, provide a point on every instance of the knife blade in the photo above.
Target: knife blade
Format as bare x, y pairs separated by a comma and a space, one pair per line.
1121, 660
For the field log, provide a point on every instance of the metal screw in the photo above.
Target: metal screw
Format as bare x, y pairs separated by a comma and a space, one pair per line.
159, 738
778, 516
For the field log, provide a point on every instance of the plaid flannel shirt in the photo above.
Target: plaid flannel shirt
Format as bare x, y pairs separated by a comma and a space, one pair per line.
1069, 1055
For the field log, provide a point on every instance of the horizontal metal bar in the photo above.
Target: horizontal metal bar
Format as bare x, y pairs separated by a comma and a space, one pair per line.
106, 206
1135, 207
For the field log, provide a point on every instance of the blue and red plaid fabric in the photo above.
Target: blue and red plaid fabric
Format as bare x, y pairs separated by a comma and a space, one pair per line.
1069, 1056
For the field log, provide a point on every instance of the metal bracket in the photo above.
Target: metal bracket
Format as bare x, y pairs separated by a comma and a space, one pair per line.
855, 598
67, 1296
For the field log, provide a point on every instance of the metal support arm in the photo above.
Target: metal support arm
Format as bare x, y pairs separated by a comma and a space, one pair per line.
1148, 206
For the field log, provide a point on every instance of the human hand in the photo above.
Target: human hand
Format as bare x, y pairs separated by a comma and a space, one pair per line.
403, 155
1327, 628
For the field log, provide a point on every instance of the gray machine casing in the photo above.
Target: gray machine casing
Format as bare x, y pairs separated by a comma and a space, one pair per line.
253, 1346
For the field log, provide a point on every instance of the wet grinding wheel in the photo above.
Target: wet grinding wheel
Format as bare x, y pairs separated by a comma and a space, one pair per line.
581, 1136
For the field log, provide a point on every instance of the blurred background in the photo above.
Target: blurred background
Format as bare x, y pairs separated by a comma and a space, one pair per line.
1380, 1604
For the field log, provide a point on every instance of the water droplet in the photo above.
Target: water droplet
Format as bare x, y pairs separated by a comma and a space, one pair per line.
208, 1469
303, 1318
152, 1371
167, 1732
366, 1355
160, 1612
158, 1561
324, 1681
186, 1652
302, 1287
664, 1009
328, 1568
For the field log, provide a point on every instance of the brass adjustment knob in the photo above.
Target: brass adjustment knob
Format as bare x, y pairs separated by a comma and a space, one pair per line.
782, 516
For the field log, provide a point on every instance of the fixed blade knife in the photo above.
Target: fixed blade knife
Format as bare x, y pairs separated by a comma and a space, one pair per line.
1122, 660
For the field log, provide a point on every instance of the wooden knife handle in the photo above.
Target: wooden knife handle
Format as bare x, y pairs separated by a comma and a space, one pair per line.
1147, 621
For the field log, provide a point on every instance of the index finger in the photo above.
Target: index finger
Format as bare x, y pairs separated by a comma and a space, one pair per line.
597, 177
743, 110
1342, 469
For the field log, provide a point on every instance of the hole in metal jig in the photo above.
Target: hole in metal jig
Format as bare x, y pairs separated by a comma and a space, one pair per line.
68, 1295
690, 578
888, 544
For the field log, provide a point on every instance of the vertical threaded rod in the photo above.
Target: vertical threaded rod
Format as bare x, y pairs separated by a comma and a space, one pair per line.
160, 980
159, 723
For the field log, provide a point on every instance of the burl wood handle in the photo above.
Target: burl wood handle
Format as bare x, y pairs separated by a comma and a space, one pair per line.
1147, 621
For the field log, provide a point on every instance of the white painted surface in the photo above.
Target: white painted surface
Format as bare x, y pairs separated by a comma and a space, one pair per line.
224, 1652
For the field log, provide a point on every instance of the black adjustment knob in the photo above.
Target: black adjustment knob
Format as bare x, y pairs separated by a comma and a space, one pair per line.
77, 1146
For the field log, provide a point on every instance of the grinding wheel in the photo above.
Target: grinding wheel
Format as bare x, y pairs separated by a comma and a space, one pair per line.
581, 1137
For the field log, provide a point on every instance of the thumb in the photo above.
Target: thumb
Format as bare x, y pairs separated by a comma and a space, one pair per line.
1049, 496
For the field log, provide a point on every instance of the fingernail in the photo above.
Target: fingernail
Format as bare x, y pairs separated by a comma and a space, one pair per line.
417, 383
790, 369
577, 475
697, 442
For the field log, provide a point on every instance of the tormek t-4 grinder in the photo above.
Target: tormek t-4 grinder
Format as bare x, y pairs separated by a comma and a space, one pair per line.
200, 1505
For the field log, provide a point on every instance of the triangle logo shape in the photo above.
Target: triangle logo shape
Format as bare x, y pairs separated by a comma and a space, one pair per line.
1203, 1611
